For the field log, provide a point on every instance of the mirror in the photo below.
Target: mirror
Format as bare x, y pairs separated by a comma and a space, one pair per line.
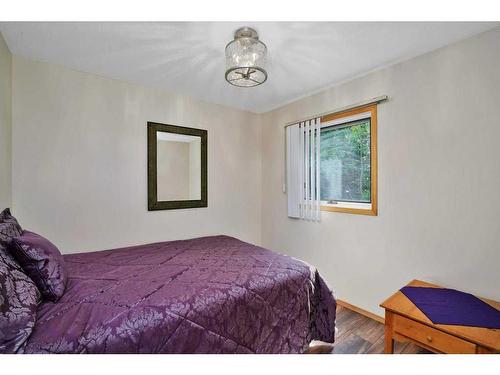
177, 167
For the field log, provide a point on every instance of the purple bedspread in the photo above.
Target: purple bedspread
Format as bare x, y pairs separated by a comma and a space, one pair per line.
205, 295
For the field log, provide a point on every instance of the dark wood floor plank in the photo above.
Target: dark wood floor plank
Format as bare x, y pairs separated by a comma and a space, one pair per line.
377, 347
352, 345
348, 322
360, 334
411, 348
371, 331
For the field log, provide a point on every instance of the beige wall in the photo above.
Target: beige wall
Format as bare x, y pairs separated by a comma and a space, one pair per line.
439, 180
80, 161
5, 125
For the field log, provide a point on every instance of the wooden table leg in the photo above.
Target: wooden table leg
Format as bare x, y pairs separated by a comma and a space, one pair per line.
389, 340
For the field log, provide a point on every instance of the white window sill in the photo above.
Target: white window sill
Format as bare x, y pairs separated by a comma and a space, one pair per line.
349, 207
360, 206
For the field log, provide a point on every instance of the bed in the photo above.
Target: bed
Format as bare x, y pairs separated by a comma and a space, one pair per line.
205, 295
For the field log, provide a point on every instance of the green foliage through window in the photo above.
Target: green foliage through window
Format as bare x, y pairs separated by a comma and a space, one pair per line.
345, 162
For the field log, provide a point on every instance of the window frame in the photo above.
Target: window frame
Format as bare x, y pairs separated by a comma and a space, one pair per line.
351, 207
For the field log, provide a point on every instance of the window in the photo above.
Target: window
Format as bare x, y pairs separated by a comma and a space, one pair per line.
348, 177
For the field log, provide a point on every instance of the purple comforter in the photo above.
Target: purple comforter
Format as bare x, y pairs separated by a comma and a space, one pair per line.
205, 295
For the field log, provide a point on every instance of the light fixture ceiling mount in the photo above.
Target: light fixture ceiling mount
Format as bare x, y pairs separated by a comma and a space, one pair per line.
245, 59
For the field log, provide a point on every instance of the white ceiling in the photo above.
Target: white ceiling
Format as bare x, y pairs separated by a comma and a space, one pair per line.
188, 57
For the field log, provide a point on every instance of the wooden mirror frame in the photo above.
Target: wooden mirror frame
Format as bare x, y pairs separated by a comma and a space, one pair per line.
153, 203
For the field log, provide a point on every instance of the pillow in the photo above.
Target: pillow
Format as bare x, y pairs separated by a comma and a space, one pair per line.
42, 261
5, 215
9, 227
19, 298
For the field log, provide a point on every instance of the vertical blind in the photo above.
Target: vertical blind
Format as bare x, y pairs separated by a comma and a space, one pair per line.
303, 163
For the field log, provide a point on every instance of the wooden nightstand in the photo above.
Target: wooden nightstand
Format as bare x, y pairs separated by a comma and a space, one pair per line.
405, 322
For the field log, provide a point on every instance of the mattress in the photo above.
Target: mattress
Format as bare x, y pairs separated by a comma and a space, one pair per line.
205, 295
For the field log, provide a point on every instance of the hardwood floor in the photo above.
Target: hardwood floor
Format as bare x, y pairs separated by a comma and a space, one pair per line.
361, 335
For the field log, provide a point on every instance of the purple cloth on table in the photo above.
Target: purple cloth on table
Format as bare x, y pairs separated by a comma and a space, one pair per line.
450, 306
205, 295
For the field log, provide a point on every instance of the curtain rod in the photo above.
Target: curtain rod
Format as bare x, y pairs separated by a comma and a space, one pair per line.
378, 99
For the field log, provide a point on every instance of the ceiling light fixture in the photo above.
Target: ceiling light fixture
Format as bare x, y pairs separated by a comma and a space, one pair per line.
245, 59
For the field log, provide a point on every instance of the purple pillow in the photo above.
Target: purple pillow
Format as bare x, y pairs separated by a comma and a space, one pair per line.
19, 298
42, 261
9, 227
5, 215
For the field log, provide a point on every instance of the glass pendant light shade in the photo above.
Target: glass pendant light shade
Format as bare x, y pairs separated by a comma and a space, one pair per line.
245, 59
